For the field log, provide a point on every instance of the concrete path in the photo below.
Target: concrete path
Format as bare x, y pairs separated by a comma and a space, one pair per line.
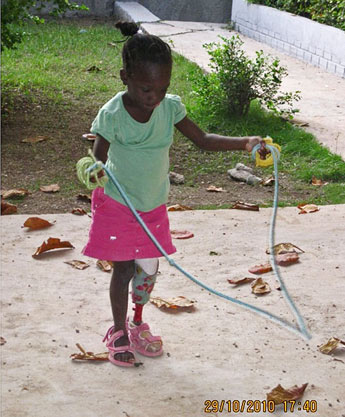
322, 108
218, 352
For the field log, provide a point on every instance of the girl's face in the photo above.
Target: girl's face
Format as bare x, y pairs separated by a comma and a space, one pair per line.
147, 85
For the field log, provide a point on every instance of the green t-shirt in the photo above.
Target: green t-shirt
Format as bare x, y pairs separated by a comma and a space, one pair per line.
139, 152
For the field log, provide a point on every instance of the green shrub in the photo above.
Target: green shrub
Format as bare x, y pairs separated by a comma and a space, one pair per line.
15, 12
329, 12
236, 80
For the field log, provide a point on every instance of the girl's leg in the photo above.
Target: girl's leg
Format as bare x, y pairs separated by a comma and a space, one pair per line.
123, 272
142, 285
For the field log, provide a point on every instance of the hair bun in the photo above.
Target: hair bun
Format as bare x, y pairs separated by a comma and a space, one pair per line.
127, 28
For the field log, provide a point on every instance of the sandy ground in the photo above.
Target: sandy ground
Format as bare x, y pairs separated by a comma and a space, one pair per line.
218, 352
322, 109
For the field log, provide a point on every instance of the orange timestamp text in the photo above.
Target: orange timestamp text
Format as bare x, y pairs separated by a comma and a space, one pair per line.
258, 406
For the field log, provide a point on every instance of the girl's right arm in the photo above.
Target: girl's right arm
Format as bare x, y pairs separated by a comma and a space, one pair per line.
100, 148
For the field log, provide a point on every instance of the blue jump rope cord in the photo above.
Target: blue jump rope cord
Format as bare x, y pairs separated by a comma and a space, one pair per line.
302, 331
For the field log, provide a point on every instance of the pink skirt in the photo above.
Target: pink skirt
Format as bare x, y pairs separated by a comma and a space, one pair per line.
116, 235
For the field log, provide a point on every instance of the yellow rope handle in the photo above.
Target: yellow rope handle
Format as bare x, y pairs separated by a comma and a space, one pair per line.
269, 158
90, 178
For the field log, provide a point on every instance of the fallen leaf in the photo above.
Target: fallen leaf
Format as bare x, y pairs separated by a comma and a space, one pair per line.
240, 205
181, 234
214, 253
52, 188
317, 182
7, 208
105, 266
2, 341
240, 281
268, 181
259, 286
51, 244
36, 223
279, 394
35, 139
84, 197
89, 356
179, 207
308, 208
177, 303
17, 192
78, 211
331, 345
281, 248
89, 136
261, 269
94, 68
214, 189
78, 264
285, 259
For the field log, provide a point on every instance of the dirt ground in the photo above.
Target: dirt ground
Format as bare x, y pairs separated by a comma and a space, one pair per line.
218, 352
29, 166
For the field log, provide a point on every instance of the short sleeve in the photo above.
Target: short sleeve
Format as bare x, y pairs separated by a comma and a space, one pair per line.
179, 109
104, 125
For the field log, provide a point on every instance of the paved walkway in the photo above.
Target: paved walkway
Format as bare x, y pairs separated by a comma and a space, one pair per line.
322, 107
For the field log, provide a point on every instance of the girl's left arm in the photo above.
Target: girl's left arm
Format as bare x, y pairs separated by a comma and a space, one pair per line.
213, 142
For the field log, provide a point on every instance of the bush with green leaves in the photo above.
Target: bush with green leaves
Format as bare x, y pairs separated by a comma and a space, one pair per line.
329, 12
235, 80
15, 12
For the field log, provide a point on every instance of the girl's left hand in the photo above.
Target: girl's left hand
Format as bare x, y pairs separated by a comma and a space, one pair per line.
257, 140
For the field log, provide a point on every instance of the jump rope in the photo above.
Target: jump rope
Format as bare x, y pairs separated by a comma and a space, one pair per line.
87, 172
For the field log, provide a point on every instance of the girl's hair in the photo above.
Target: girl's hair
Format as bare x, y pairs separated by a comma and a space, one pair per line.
142, 48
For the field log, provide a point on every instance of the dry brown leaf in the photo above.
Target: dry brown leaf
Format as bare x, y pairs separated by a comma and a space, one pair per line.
2, 341
78, 264
35, 139
177, 303
285, 259
268, 181
331, 345
240, 205
281, 248
84, 197
214, 189
7, 208
16, 192
36, 223
89, 136
279, 394
51, 244
105, 266
307, 208
181, 234
241, 281
260, 269
179, 207
317, 182
89, 356
259, 286
52, 188
78, 211
94, 68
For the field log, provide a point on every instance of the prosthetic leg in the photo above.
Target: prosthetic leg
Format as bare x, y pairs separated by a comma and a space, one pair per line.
142, 285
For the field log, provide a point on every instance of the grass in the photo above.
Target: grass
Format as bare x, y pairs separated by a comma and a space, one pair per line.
72, 64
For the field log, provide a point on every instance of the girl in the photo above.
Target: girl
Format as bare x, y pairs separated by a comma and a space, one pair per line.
134, 132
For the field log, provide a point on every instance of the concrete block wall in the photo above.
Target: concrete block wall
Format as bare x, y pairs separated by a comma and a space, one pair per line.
315, 43
216, 11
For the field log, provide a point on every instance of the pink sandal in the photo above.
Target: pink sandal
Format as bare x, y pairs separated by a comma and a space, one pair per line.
140, 343
111, 338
